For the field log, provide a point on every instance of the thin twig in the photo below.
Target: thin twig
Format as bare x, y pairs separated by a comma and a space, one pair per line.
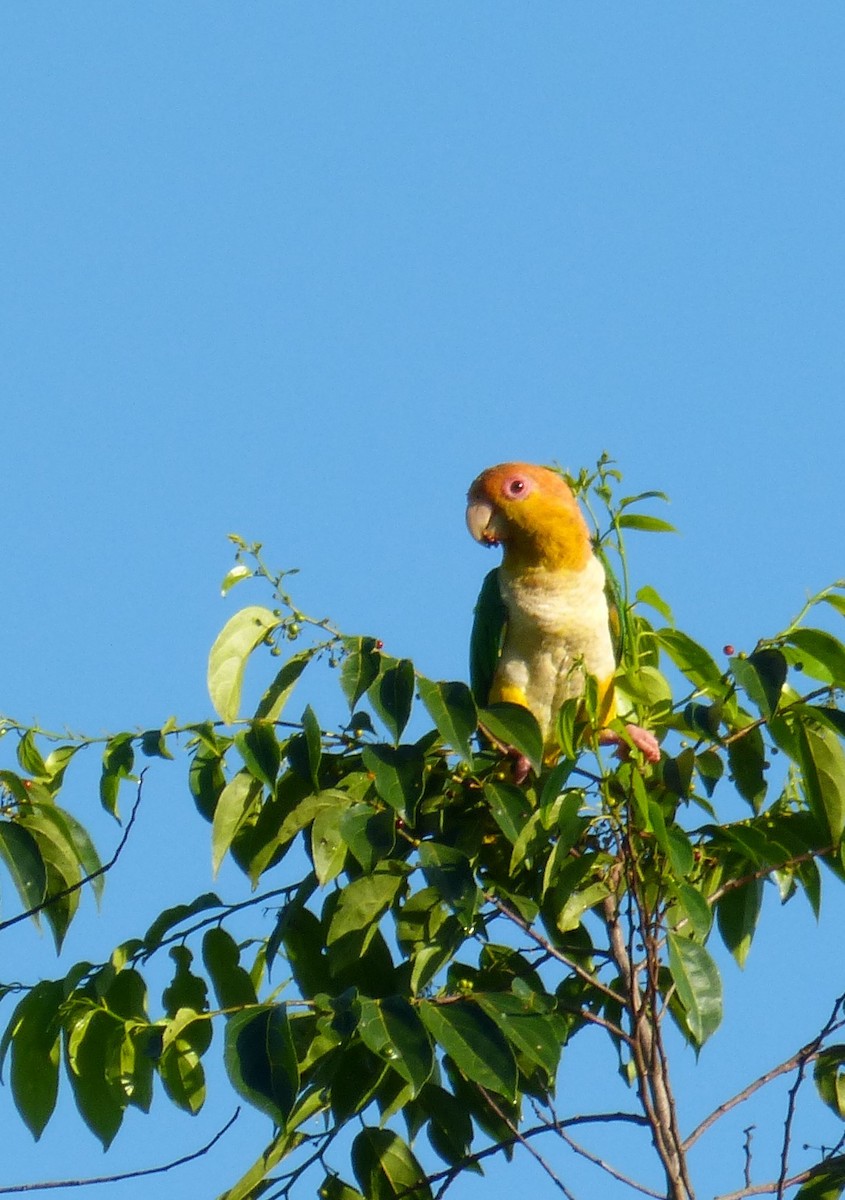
177, 1162
605, 1166
101, 870
520, 1137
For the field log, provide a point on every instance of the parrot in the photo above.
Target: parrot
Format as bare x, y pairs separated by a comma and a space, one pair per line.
544, 611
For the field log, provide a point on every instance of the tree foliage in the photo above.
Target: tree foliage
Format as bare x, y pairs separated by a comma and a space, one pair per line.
417, 964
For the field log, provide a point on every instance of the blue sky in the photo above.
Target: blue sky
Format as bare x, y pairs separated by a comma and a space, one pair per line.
300, 271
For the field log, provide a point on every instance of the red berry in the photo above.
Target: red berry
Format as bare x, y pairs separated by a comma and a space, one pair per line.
729, 649
379, 644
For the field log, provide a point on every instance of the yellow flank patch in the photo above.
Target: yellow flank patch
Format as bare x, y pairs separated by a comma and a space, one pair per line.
509, 694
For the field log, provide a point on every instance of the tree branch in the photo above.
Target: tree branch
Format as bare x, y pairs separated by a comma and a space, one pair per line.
177, 1162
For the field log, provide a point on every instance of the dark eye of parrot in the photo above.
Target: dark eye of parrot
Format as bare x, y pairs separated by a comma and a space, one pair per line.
515, 488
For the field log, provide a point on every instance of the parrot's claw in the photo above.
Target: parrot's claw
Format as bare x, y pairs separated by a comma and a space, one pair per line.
643, 740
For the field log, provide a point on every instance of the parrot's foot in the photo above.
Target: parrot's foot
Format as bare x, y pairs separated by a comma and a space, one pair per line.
643, 739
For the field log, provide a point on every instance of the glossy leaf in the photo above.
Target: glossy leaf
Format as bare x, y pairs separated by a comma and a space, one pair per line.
261, 1060
34, 1032
227, 661
182, 1075
448, 871
398, 772
118, 760
221, 955
385, 1167
20, 853
821, 654
235, 803
696, 663
531, 1033
747, 763
823, 763
762, 675
474, 1041
514, 727
392, 1030
737, 914
328, 848
258, 746
360, 667
392, 694
452, 708
699, 986
275, 698
89, 1045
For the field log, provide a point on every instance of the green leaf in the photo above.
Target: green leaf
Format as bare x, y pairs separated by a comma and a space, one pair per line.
328, 848
313, 742
762, 675
449, 871
227, 661
154, 744
693, 660
648, 595
360, 667
451, 707
30, 758
747, 763
171, 917
19, 851
182, 1075
232, 984
647, 524
821, 654
392, 1030
118, 759
35, 1030
509, 806
235, 803
531, 1033
475, 1043
234, 575
488, 630
258, 746
696, 908
398, 772
516, 727
362, 904
737, 913
385, 1167
830, 1079
392, 694
827, 1181
276, 697
823, 766
369, 834
261, 1060
335, 1188
698, 984
89, 1046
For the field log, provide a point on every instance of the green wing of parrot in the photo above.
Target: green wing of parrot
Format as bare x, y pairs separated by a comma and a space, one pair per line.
488, 636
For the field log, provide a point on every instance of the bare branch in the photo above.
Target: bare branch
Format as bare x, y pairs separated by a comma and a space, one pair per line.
520, 1137
605, 1166
71, 1183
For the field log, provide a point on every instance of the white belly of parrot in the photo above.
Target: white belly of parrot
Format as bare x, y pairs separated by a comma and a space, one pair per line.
557, 630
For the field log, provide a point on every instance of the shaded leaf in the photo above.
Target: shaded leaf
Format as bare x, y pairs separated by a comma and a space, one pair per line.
261, 1060
385, 1167
451, 707
475, 1043
276, 697
392, 694
392, 1030
514, 726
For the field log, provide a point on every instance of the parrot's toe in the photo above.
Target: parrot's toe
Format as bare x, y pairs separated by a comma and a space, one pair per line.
643, 739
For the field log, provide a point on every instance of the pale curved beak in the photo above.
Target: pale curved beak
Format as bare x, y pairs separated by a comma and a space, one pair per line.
484, 522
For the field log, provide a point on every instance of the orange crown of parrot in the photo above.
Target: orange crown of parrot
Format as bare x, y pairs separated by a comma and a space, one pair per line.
531, 512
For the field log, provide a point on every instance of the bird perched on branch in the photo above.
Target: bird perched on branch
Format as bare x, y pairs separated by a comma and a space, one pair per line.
544, 611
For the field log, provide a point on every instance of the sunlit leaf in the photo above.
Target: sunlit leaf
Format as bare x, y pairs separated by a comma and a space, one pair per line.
227, 661
699, 986
475, 1042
